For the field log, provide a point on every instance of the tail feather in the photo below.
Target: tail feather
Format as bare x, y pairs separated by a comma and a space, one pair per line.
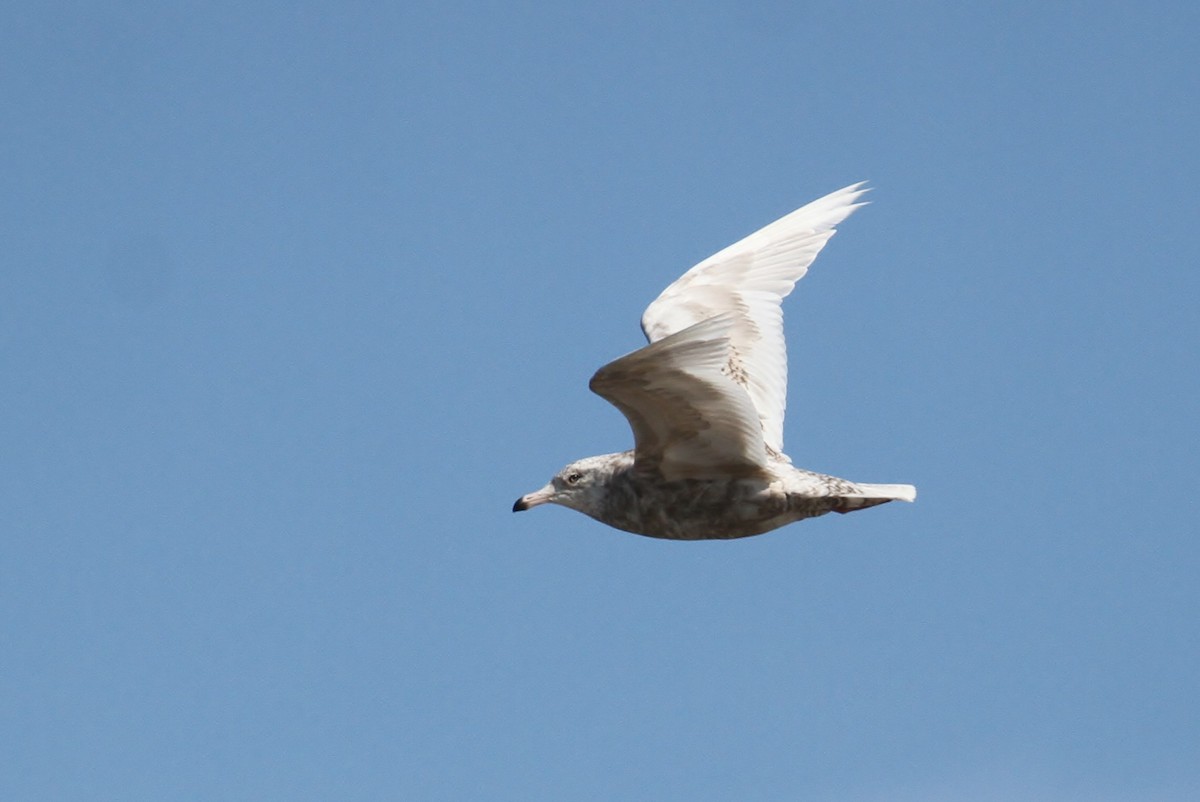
889, 492
872, 495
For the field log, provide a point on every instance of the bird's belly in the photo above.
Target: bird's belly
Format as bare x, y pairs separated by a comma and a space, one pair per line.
708, 510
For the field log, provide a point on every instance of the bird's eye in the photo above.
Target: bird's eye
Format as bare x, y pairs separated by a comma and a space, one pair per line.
573, 478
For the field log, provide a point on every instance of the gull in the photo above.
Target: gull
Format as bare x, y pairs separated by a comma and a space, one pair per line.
706, 398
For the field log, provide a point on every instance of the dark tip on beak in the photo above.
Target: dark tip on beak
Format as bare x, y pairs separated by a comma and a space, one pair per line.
520, 505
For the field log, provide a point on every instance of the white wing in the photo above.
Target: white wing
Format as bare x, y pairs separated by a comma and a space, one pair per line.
749, 280
689, 420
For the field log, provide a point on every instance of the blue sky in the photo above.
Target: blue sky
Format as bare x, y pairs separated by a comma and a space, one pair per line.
296, 300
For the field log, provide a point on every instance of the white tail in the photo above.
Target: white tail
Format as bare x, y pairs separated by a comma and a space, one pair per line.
889, 492
872, 495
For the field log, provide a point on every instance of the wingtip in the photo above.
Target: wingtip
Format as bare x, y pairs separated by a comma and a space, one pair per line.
856, 191
829, 211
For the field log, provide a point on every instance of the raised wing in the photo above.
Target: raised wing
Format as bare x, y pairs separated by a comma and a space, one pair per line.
749, 280
689, 420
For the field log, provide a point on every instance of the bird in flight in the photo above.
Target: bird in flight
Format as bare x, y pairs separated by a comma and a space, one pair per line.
706, 397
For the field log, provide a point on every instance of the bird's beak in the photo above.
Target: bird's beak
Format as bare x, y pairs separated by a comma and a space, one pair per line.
533, 499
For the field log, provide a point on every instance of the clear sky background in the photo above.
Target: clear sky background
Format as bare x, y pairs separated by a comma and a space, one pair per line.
297, 298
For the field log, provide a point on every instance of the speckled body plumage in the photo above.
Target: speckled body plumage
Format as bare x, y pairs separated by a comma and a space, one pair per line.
703, 509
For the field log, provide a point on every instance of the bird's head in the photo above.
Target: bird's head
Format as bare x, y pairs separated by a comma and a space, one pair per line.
580, 486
